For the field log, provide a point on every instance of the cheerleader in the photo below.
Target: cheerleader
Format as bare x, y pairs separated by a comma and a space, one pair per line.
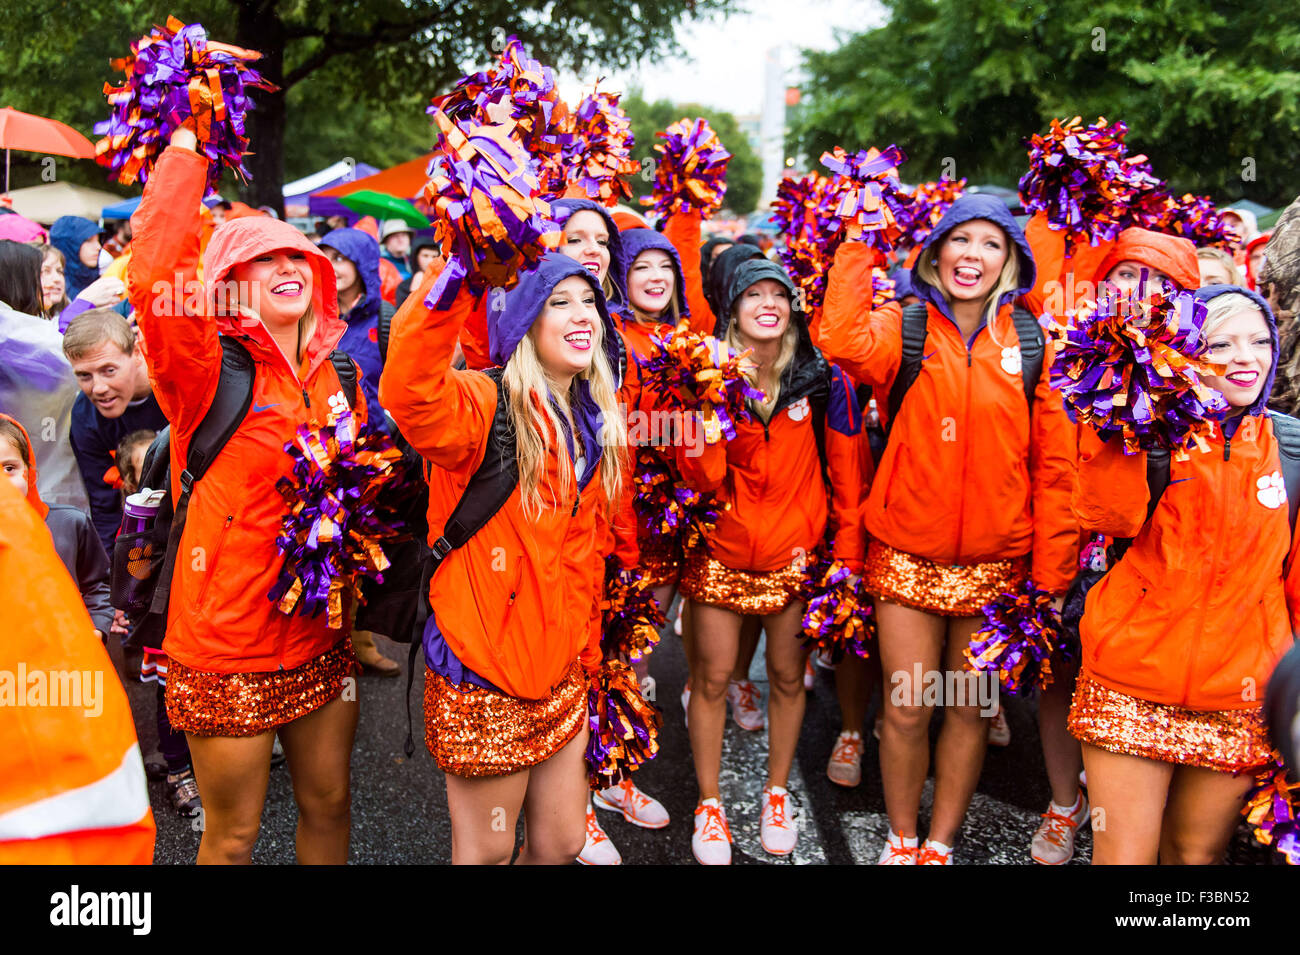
515, 628
1181, 635
770, 478
970, 496
240, 669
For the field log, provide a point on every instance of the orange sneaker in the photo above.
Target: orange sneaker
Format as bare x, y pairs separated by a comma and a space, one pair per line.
598, 850
898, 850
636, 807
777, 831
711, 842
934, 853
845, 766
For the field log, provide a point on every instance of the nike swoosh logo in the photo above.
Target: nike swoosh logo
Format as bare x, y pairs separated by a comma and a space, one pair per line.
1179, 480
264, 407
931, 355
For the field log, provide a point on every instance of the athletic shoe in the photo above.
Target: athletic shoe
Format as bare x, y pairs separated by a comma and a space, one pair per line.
809, 677
686, 707
711, 842
277, 752
677, 620
155, 767
1053, 843
598, 849
1083, 778
999, 731
743, 697
898, 850
184, 792
822, 659
845, 766
777, 831
636, 807
934, 853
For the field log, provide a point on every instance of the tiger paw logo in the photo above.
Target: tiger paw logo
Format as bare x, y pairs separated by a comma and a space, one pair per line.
800, 410
1272, 491
338, 403
1011, 360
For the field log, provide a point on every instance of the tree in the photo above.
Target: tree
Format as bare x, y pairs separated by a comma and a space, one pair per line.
1210, 91
744, 171
359, 57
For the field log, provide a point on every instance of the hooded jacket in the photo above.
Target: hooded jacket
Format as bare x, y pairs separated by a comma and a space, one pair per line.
636, 334
969, 474
76, 543
1207, 597
769, 477
220, 618
361, 339
67, 235
519, 602
722, 271
1171, 254
72, 783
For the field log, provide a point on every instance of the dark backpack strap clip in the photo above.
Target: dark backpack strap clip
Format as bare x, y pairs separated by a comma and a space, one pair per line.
915, 324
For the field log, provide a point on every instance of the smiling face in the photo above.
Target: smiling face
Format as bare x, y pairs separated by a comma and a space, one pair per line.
971, 259
277, 286
110, 377
762, 312
586, 241
12, 465
1128, 274
52, 283
1241, 342
568, 331
651, 282
345, 272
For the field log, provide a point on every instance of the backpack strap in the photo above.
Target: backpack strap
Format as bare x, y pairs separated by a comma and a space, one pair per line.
1032, 346
384, 328
346, 369
489, 487
1287, 431
915, 323
229, 405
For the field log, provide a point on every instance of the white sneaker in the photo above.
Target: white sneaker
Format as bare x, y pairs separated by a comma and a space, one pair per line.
677, 620
777, 831
934, 852
898, 850
999, 731
822, 659
711, 842
1053, 842
598, 850
745, 708
809, 677
686, 707
636, 807
845, 765
1083, 778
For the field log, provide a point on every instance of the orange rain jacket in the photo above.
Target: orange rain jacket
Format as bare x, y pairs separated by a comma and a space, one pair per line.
1206, 600
770, 475
969, 474
220, 618
72, 784
520, 601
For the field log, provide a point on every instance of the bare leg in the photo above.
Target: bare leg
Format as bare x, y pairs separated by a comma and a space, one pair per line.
484, 811
959, 754
717, 634
785, 662
750, 628
853, 679
318, 749
1202, 812
555, 806
232, 774
1128, 801
1061, 753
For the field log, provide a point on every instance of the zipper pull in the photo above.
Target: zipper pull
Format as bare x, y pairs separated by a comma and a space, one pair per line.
576, 501
1227, 447
306, 399
968, 358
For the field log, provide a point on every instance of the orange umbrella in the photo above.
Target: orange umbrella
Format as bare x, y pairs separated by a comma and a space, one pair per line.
36, 134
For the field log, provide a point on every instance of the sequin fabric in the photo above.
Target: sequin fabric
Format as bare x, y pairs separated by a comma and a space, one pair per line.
661, 558
249, 704
954, 591
1228, 741
472, 731
740, 591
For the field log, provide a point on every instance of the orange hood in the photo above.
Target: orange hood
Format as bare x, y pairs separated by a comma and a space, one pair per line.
1170, 254
33, 495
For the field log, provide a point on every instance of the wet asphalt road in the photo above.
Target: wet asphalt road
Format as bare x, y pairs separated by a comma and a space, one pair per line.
399, 812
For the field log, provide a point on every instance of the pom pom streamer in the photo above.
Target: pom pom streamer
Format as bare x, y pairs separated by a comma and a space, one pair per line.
1143, 384
331, 536
596, 152
1020, 631
1084, 179
177, 77
666, 505
875, 208
839, 619
691, 176
624, 726
630, 615
693, 372
1273, 811
929, 201
804, 211
1192, 217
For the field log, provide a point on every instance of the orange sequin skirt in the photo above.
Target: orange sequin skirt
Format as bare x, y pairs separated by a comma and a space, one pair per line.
474, 731
661, 558
740, 591
950, 590
1228, 741
249, 704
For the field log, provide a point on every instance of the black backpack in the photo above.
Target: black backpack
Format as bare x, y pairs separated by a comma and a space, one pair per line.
915, 323
1287, 431
144, 561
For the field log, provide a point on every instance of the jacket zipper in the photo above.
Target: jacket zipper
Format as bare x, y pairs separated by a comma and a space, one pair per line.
1214, 562
767, 440
961, 484
210, 569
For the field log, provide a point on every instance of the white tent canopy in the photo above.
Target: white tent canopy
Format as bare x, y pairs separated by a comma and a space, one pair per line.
47, 202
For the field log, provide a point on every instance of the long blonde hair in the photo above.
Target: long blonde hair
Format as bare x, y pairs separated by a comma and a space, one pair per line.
1008, 278
536, 423
789, 342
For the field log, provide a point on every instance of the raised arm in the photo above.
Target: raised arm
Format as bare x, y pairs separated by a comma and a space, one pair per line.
866, 344
445, 414
844, 460
683, 231
179, 337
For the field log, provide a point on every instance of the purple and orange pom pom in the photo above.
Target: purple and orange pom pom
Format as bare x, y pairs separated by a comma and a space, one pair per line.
624, 726
1021, 630
692, 171
630, 615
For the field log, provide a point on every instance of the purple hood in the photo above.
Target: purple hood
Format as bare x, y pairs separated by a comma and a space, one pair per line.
561, 209
636, 241
1214, 291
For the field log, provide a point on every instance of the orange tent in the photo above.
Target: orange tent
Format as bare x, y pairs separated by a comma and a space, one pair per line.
406, 180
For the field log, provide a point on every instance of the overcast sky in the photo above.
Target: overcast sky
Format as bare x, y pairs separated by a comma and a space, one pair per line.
724, 64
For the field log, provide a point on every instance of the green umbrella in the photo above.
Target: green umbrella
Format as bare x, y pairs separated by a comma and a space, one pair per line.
383, 206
